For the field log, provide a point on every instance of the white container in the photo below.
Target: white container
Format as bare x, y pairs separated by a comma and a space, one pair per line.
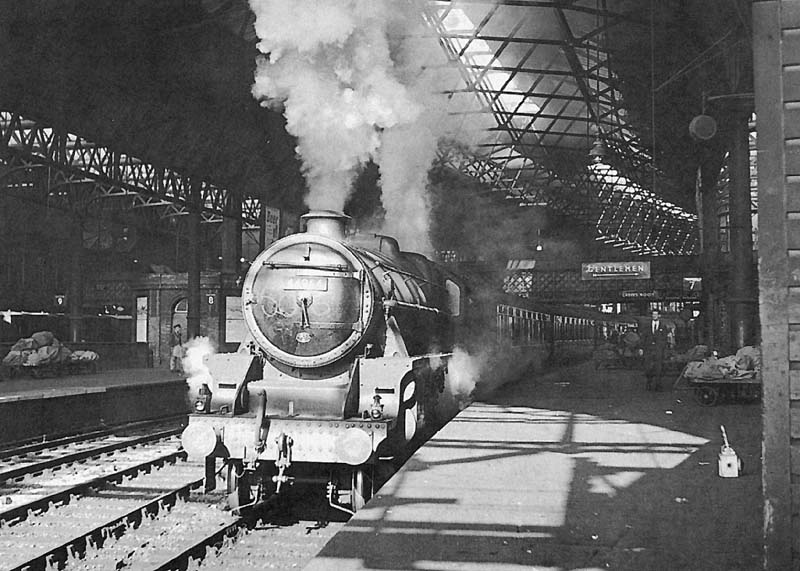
730, 465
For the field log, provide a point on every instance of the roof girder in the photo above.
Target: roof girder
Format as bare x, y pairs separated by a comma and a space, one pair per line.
26, 145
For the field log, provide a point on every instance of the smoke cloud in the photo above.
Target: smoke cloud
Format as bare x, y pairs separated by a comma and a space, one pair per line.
355, 80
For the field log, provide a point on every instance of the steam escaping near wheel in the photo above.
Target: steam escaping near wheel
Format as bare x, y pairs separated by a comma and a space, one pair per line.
474, 374
463, 373
194, 364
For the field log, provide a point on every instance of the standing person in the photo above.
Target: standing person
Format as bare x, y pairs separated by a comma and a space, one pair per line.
654, 344
176, 346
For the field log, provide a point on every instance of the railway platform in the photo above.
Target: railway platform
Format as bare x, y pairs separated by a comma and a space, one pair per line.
577, 469
55, 406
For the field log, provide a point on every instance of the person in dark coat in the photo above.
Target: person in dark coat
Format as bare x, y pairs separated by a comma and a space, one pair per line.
655, 337
176, 350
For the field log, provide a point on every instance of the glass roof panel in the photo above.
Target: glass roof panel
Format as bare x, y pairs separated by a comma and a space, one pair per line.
541, 71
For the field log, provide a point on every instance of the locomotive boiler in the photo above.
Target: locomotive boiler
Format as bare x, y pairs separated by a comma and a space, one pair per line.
345, 366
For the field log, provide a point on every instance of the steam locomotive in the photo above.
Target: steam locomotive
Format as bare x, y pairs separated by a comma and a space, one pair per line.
347, 364
344, 365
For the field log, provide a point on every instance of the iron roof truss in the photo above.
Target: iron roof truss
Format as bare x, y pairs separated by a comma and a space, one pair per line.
537, 68
540, 68
66, 170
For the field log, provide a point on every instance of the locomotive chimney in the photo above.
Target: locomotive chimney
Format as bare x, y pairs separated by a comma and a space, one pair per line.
326, 223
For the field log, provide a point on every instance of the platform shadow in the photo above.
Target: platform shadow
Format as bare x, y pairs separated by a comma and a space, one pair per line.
620, 478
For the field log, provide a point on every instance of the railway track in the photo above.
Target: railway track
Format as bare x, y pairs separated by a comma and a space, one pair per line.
276, 542
26, 451
33, 486
15, 465
134, 502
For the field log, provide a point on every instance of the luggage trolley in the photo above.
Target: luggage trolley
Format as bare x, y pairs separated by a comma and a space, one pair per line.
709, 391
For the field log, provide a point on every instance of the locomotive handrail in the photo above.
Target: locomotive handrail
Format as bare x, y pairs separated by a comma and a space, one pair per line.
289, 265
395, 303
355, 326
373, 261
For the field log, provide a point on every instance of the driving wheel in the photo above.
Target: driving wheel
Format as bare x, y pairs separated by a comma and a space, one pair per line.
361, 487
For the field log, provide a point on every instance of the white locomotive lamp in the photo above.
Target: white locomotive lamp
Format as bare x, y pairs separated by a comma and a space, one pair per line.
337, 373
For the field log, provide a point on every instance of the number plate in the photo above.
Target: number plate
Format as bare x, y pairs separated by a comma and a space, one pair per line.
306, 283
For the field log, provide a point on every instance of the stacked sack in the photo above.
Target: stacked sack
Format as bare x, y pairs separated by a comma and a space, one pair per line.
605, 352
696, 353
83, 356
745, 364
41, 348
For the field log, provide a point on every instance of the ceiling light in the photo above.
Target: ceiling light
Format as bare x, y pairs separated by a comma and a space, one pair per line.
598, 151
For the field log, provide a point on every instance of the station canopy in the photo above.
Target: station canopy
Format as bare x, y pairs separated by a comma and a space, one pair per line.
586, 106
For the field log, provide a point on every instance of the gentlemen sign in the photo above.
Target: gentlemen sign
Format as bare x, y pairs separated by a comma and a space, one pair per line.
615, 271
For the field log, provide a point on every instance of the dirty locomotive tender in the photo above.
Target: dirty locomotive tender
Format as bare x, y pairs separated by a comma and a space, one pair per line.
344, 367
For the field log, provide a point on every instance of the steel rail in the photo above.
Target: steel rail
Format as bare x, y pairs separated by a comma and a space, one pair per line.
20, 513
67, 459
31, 445
57, 556
199, 549
40, 445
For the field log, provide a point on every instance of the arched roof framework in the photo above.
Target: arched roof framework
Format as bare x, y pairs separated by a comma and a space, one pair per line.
169, 106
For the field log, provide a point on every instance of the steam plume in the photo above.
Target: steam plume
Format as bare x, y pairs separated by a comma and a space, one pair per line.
348, 75
197, 349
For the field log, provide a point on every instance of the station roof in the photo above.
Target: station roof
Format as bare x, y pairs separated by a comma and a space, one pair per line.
586, 106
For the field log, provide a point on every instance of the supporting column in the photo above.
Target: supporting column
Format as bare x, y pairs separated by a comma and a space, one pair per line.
743, 293
193, 270
262, 222
232, 236
75, 294
779, 302
709, 254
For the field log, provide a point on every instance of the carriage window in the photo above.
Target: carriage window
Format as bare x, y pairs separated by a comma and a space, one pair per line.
453, 298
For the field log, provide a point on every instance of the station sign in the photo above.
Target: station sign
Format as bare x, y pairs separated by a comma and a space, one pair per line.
639, 294
692, 284
615, 271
